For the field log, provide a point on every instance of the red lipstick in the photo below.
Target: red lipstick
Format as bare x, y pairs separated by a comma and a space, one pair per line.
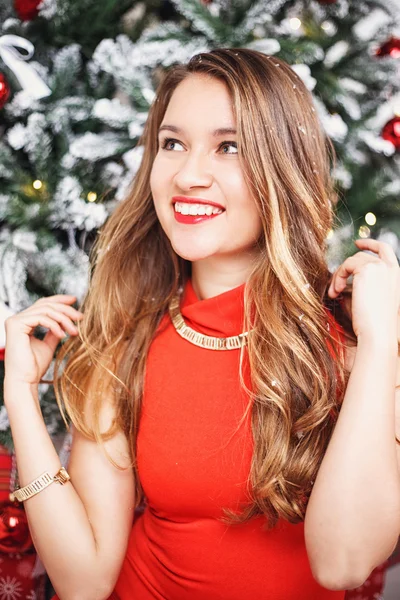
192, 200
194, 219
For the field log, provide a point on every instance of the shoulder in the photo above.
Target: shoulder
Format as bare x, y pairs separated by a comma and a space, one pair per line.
100, 413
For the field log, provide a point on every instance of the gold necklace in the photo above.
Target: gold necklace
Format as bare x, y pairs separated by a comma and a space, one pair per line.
199, 339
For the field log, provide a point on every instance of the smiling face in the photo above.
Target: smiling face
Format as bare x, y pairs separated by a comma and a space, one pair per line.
203, 166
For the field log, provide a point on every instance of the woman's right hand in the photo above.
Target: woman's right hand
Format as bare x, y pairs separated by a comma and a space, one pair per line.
26, 357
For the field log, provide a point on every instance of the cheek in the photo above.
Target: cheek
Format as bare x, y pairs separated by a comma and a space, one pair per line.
253, 222
154, 176
156, 184
161, 177
247, 213
243, 201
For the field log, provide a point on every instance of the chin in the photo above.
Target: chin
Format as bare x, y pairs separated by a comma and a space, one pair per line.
193, 252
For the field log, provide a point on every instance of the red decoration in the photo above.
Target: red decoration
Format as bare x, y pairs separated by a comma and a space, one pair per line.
21, 574
391, 132
390, 48
27, 10
2, 353
326, 1
14, 529
4, 90
372, 588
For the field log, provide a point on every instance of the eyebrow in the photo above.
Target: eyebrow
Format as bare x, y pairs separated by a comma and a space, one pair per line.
215, 133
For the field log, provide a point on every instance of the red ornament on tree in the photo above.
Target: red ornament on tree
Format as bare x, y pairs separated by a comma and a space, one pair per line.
14, 529
391, 132
26, 9
4, 90
390, 48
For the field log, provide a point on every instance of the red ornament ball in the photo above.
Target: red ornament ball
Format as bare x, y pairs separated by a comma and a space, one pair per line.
4, 90
391, 132
14, 529
26, 9
390, 48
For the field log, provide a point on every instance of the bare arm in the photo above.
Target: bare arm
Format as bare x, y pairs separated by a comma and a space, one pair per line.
80, 530
353, 518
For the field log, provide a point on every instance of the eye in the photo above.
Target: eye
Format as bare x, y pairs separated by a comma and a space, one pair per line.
233, 144
166, 141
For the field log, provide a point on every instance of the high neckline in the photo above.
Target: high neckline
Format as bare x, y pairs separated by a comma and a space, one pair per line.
219, 316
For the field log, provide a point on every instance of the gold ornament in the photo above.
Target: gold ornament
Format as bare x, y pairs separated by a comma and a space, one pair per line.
199, 339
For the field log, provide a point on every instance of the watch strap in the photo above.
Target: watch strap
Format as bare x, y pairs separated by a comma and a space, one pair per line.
39, 484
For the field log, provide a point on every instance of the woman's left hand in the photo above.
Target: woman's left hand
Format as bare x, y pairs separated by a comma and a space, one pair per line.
376, 290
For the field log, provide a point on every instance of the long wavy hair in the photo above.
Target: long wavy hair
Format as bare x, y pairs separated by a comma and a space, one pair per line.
296, 362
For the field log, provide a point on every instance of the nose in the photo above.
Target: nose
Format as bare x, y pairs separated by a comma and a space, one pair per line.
194, 171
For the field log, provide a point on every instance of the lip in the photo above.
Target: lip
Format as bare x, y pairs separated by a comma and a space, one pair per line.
193, 219
192, 200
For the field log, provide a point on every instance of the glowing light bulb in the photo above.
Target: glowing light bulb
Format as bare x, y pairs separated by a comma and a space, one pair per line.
295, 23
37, 184
364, 231
370, 218
92, 196
329, 27
330, 234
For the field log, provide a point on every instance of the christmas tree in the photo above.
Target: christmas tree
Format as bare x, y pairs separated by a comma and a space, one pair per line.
76, 84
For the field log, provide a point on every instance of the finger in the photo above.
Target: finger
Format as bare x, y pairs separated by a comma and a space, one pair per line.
29, 322
340, 276
48, 311
383, 250
72, 312
62, 319
52, 340
345, 270
62, 298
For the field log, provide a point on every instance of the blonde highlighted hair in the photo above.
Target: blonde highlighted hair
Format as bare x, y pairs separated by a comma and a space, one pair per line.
297, 365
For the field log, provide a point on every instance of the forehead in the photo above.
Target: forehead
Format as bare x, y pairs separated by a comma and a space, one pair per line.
200, 99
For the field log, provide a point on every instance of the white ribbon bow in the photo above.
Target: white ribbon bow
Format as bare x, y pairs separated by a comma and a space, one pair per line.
28, 78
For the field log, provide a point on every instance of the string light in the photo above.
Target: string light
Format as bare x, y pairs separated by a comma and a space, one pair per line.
370, 218
295, 23
364, 231
330, 234
92, 196
37, 184
329, 27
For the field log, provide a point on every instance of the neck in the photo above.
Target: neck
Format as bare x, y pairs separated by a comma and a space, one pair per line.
215, 275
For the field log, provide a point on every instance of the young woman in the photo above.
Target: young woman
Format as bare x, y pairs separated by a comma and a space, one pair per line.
208, 374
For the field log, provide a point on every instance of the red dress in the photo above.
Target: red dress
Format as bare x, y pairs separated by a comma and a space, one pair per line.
191, 465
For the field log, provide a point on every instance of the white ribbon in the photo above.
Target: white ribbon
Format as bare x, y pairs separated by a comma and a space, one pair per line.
28, 78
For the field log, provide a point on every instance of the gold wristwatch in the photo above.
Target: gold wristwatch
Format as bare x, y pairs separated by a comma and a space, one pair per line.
42, 482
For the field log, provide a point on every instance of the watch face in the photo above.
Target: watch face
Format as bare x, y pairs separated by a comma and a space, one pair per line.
62, 476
